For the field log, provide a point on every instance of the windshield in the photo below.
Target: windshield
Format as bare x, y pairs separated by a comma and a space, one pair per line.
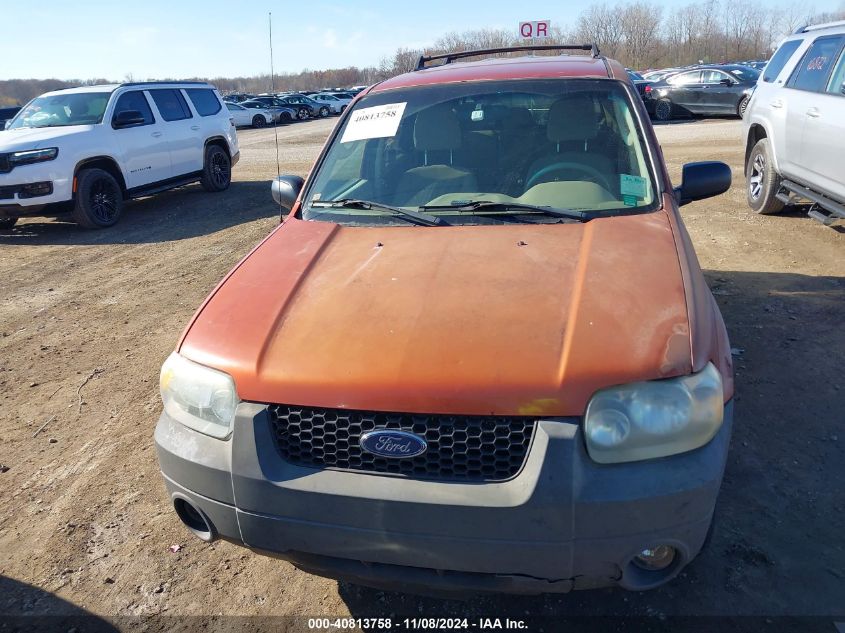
571, 144
80, 108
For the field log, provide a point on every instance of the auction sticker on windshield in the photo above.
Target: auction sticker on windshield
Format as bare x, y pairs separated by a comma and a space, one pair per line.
633, 185
375, 122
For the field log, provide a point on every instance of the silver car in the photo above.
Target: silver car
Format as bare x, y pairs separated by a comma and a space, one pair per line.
281, 113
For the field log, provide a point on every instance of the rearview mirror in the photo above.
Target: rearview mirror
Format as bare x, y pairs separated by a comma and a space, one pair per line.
703, 180
127, 118
285, 190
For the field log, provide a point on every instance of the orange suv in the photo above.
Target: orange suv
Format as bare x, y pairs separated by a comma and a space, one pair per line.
478, 354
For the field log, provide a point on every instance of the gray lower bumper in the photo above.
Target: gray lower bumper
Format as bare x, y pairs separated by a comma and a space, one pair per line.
564, 522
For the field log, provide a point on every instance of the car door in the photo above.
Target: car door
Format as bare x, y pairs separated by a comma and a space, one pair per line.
822, 148
685, 90
145, 154
206, 106
810, 113
719, 92
239, 114
185, 138
290, 102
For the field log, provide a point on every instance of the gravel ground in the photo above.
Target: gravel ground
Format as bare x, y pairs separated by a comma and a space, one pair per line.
86, 318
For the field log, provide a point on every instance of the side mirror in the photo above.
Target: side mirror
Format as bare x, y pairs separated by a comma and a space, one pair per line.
727, 82
127, 118
703, 180
7, 124
285, 190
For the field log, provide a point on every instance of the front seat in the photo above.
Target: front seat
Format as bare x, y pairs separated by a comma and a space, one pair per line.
573, 128
437, 139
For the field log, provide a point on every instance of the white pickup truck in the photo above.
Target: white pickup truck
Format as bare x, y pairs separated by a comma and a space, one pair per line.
86, 150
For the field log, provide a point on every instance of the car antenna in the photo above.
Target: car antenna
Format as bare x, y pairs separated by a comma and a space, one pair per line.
273, 92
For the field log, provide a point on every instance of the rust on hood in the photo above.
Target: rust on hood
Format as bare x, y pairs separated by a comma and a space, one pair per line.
507, 320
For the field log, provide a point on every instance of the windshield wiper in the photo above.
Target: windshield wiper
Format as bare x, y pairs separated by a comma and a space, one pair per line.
354, 203
489, 205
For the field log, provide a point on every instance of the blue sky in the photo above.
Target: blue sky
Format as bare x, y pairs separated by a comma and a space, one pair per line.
182, 38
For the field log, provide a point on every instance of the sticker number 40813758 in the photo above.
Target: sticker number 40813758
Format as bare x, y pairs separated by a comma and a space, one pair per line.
375, 122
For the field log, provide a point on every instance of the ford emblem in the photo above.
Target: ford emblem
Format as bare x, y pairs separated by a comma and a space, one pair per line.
393, 444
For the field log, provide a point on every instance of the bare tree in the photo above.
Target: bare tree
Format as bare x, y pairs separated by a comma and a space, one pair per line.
602, 24
641, 43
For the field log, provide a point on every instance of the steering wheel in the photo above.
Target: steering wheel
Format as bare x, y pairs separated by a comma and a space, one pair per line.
587, 169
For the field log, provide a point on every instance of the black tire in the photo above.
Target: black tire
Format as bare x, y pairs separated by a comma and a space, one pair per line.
742, 107
285, 117
663, 110
7, 223
99, 199
216, 170
324, 112
258, 121
342, 108
302, 114
762, 181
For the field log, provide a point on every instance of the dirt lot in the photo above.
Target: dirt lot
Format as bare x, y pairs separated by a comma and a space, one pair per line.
86, 318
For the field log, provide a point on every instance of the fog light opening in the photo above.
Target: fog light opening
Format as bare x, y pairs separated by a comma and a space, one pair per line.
653, 566
655, 558
194, 519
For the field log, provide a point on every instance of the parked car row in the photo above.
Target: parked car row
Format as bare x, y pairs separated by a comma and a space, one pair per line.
286, 107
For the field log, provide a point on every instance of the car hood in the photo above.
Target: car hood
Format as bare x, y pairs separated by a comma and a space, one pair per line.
36, 138
505, 320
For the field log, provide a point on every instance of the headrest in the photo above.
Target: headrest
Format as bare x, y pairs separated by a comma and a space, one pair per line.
437, 128
572, 118
520, 118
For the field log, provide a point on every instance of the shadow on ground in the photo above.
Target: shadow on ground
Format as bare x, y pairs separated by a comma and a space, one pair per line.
174, 215
24, 607
776, 558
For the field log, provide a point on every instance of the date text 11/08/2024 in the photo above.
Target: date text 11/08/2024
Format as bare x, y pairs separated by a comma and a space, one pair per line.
387, 624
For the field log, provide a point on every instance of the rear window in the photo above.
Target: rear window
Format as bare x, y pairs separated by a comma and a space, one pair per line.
779, 59
814, 69
204, 100
171, 104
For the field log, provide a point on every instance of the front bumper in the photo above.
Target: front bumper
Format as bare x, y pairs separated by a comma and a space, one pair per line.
563, 523
25, 194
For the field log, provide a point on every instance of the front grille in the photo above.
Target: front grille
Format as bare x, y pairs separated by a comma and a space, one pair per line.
460, 448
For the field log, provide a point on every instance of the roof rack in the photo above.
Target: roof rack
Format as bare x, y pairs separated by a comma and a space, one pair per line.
450, 57
163, 81
817, 27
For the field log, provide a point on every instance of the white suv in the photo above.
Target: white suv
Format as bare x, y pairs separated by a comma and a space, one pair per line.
795, 126
87, 150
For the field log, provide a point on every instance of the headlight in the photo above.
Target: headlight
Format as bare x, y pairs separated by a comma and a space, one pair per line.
29, 156
651, 419
199, 397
